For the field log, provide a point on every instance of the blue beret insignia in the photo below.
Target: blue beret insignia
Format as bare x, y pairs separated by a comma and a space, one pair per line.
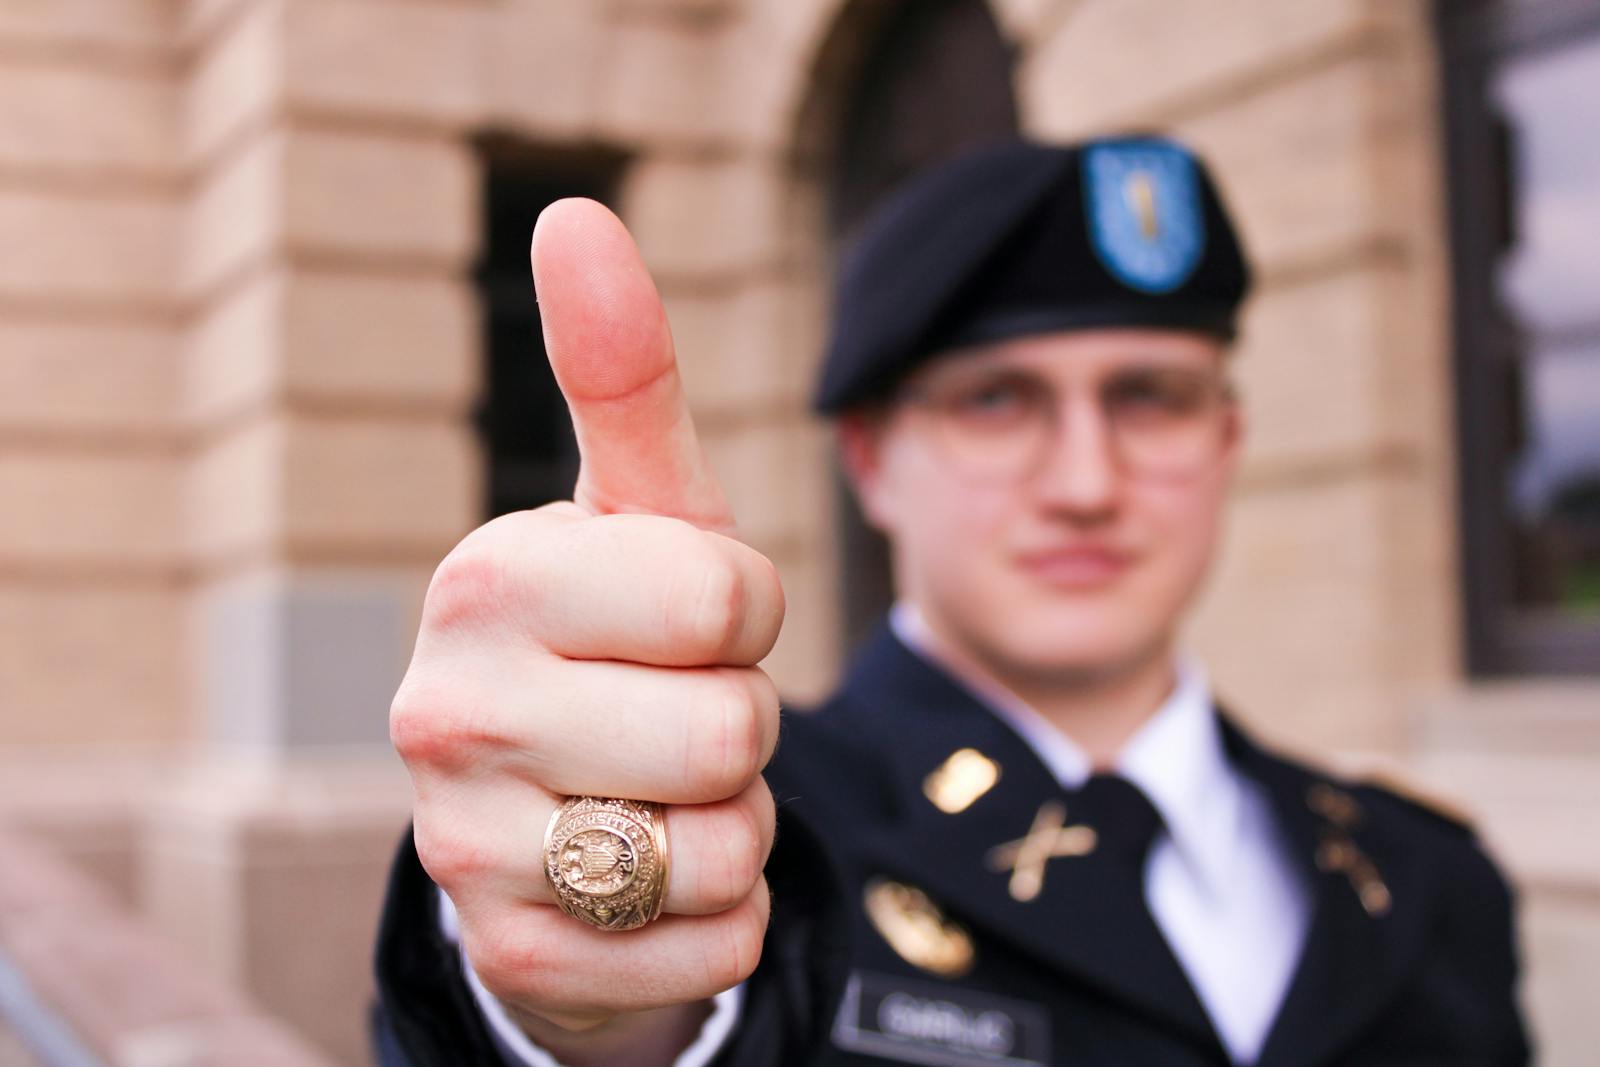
1145, 214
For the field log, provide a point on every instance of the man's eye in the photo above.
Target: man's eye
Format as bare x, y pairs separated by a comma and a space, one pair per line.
1152, 395
990, 398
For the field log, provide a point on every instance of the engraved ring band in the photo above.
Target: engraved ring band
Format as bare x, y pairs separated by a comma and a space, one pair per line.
606, 860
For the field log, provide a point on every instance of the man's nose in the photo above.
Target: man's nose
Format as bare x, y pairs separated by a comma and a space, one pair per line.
1080, 473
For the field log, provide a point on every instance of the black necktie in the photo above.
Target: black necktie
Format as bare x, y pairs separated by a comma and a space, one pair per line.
1124, 820
1125, 824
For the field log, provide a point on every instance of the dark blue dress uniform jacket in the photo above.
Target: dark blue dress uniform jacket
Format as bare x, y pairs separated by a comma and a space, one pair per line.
1427, 978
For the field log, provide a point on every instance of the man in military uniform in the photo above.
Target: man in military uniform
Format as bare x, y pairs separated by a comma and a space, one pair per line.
1022, 832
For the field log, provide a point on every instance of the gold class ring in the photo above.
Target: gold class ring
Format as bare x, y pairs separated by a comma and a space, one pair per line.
606, 860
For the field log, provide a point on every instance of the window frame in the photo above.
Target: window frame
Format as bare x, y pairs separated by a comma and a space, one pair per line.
518, 178
1474, 37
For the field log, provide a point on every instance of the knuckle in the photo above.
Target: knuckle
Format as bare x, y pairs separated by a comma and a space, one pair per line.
766, 708
431, 728
707, 619
515, 966
500, 968
737, 951
413, 725
467, 588
492, 571
765, 820
728, 879
731, 748
447, 854
769, 585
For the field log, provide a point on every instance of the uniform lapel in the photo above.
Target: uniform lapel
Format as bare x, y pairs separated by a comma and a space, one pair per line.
1353, 959
1078, 923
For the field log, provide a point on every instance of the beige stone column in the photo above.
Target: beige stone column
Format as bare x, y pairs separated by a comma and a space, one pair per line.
331, 356
329, 363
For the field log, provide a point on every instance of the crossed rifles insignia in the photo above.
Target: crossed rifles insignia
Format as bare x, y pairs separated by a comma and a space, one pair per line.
1048, 838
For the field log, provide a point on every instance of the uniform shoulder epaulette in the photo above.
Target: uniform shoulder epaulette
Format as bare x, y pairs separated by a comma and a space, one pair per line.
1427, 799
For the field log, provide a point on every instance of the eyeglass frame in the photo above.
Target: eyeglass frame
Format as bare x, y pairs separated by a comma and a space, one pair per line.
1221, 398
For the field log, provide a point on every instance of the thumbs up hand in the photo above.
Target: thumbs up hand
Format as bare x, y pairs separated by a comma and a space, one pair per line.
601, 646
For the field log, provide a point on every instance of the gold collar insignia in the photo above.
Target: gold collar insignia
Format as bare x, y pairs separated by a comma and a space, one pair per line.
956, 783
1048, 838
914, 927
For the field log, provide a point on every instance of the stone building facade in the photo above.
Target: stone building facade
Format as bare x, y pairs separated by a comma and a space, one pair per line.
240, 356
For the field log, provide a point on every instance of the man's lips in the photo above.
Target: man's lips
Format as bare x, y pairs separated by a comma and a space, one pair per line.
1076, 566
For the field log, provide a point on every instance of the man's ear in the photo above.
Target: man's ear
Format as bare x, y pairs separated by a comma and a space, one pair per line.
1234, 425
1233, 432
860, 439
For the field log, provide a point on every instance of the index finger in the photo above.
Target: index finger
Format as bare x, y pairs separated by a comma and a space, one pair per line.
608, 341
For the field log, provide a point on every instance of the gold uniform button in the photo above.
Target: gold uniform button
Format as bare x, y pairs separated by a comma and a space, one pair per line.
960, 780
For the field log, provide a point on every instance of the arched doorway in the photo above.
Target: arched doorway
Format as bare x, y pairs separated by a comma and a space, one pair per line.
897, 86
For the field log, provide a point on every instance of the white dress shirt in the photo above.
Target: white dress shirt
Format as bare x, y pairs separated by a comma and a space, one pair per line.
1218, 880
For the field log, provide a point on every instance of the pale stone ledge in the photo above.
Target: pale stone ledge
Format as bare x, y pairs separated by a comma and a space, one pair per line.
1310, 365
379, 484
127, 27
1115, 63
424, 66
753, 347
321, 337
64, 121
87, 248
296, 485
130, 631
90, 379
691, 217
1300, 165
90, 509
777, 476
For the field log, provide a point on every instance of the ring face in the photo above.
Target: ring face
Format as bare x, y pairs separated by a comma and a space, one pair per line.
606, 861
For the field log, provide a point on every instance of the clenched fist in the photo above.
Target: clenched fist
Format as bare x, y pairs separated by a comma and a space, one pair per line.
606, 646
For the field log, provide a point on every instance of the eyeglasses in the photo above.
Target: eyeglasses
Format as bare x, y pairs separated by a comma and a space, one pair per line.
1000, 423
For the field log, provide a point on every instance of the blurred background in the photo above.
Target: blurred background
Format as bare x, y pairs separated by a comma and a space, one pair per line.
268, 348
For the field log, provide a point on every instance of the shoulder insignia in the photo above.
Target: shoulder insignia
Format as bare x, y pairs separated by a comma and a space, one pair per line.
915, 928
1337, 853
1334, 805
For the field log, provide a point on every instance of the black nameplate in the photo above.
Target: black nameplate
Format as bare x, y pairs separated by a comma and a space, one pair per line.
939, 1025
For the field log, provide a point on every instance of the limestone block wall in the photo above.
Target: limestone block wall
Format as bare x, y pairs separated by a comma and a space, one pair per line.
90, 455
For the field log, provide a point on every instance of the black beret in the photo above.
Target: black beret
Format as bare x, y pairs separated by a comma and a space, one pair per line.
1022, 238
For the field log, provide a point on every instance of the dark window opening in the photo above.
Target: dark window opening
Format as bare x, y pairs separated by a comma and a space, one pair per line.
935, 78
1522, 83
530, 455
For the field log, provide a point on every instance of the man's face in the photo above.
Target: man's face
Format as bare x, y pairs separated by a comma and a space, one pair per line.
1053, 501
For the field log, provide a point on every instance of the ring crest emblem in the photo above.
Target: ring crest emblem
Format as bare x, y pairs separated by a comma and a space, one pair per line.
606, 861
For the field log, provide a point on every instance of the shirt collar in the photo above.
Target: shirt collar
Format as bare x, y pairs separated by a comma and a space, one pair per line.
1176, 758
